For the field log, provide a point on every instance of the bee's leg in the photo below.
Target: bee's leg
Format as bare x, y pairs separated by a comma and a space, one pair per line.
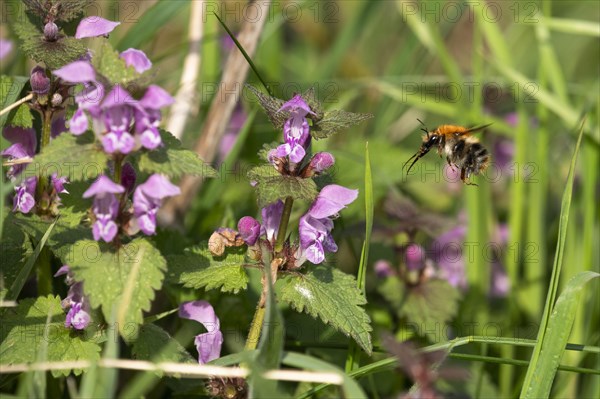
450, 163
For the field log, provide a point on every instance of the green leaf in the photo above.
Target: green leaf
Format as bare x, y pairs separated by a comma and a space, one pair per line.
336, 120
123, 279
433, 302
555, 340
24, 332
156, 345
271, 186
76, 157
10, 91
107, 62
556, 268
331, 295
21, 117
53, 54
271, 106
198, 268
64, 10
172, 160
15, 248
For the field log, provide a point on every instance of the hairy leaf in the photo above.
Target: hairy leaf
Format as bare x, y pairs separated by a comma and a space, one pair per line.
108, 63
54, 54
122, 280
76, 157
21, 117
10, 91
62, 10
334, 121
271, 106
155, 344
14, 248
271, 186
25, 334
333, 296
198, 268
172, 160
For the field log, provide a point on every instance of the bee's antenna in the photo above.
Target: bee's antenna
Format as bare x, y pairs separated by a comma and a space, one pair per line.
424, 127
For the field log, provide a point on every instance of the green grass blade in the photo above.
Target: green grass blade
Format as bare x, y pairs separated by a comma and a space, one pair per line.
19, 282
552, 347
573, 26
245, 54
352, 361
556, 268
144, 30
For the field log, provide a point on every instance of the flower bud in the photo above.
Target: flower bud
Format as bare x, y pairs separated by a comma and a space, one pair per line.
57, 100
318, 164
51, 31
40, 83
128, 177
383, 269
414, 257
249, 229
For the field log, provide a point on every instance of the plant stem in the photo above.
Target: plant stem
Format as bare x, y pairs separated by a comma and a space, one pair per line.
259, 314
45, 140
285, 218
118, 168
44, 273
256, 327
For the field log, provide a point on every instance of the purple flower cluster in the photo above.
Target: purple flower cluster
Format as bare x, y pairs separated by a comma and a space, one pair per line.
122, 123
295, 130
147, 199
20, 153
78, 306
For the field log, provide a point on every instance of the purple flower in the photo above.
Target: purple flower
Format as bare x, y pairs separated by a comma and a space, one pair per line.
40, 83
59, 183
316, 225
383, 269
321, 161
24, 199
447, 253
249, 229
5, 47
295, 130
147, 199
148, 116
271, 217
137, 59
209, 343
24, 142
77, 317
78, 123
118, 117
414, 257
94, 26
77, 72
105, 208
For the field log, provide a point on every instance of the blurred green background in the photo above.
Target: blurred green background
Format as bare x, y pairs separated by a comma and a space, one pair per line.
529, 67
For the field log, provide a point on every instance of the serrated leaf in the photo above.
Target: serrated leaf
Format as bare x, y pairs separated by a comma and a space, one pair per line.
123, 279
263, 153
10, 91
108, 63
172, 160
63, 10
155, 344
434, 302
333, 296
24, 332
21, 117
14, 247
54, 54
271, 106
66, 231
76, 157
310, 97
334, 121
271, 186
198, 268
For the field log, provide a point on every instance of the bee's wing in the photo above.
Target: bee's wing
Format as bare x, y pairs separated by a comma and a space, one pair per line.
475, 129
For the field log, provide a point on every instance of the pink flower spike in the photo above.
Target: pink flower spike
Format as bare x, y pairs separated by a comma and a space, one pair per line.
137, 59
94, 26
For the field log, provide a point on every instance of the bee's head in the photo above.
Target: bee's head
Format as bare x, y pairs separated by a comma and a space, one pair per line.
429, 140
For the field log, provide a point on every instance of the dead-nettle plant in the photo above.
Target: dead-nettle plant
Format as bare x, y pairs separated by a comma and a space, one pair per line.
294, 257
97, 106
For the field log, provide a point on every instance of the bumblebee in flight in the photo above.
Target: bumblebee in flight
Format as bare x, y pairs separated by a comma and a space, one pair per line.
461, 148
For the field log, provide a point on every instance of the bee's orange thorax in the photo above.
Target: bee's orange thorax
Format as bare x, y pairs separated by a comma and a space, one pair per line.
450, 129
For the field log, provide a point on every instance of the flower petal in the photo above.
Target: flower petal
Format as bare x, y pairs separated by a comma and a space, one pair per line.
77, 72
156, 97
331, 200
158, 187
202, 312
94, 26
103, 185
137, 59
118, 97
208, 346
